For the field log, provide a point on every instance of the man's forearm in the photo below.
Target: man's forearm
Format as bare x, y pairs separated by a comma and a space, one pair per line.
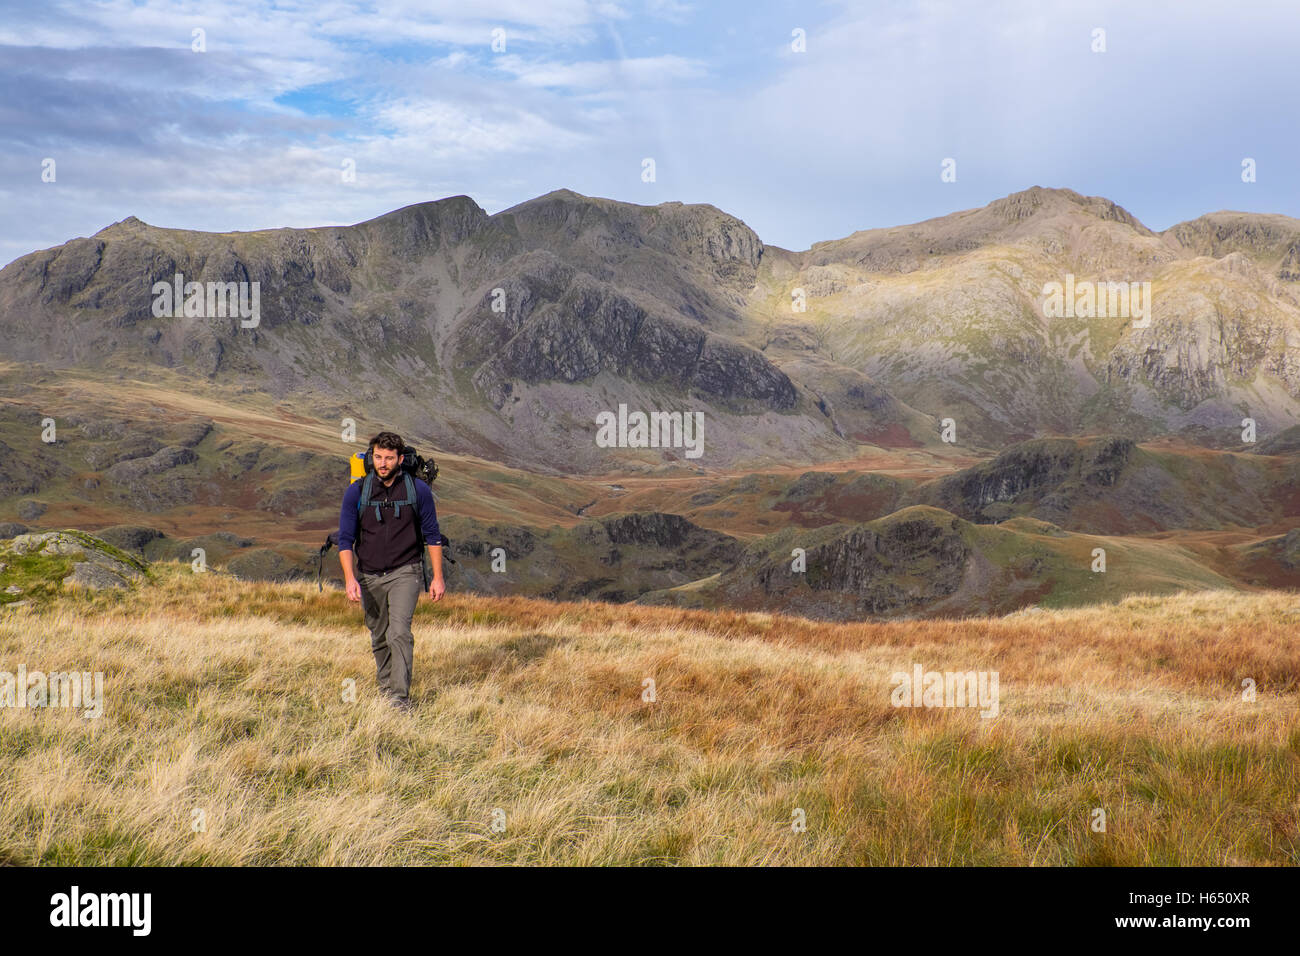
435, 560
345, 559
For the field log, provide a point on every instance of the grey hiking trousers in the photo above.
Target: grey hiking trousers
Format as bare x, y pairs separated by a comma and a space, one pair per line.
389, 602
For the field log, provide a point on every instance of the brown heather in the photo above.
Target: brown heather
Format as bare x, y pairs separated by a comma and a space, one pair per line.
227, 697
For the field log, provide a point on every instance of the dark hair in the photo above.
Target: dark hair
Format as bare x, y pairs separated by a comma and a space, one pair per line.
390, 440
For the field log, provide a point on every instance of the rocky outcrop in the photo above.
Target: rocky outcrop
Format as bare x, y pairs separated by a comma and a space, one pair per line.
699, 233
617, 558
1111, 486
656, 529
132, 538
593, 329
35, 563
155, 483
1029, 472
1271, 240
30, 510
1283, 443
538, 277
162, 460
25, 473
907, 561
413, 231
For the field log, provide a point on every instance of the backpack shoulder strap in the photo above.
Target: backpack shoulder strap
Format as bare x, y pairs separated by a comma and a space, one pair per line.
364, 501
410, 499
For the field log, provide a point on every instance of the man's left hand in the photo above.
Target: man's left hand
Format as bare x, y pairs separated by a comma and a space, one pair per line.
437, 588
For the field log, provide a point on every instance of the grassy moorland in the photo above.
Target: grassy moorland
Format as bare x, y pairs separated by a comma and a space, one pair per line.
227, 697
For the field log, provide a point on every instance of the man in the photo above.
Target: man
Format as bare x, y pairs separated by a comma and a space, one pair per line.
384, 568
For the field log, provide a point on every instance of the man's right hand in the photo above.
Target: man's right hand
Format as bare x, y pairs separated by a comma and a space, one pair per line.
353, 589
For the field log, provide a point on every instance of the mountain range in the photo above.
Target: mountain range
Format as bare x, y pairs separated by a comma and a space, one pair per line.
886, 398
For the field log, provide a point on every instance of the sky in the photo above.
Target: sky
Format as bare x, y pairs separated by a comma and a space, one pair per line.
808, 120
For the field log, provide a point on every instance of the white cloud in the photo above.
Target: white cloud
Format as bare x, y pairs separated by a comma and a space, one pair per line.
640, 72
445, 130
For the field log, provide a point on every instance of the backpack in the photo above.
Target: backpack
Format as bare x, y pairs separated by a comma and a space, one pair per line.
363, 469
413, 463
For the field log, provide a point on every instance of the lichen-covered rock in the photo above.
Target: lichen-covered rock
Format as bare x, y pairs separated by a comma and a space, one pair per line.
90, 562
87, 574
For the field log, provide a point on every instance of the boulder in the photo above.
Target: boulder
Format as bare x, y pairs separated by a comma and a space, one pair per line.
86, 574
29, 510
94, 563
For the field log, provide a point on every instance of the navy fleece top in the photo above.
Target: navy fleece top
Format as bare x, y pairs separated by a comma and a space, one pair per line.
424, 503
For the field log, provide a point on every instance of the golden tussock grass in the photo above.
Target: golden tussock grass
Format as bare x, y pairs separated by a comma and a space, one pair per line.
227, 698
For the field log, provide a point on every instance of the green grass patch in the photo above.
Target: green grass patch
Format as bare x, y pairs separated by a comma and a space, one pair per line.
39, 576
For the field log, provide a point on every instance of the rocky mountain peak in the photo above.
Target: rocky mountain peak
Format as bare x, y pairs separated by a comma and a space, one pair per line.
126, 226
1029, 202
416, 227
1271, 241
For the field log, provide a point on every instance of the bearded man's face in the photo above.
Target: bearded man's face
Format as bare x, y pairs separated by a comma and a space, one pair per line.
385, 461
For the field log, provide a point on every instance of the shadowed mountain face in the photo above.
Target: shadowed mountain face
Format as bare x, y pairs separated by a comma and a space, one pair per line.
504, 336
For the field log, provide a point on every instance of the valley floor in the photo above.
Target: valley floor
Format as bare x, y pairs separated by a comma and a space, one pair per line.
226, 737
